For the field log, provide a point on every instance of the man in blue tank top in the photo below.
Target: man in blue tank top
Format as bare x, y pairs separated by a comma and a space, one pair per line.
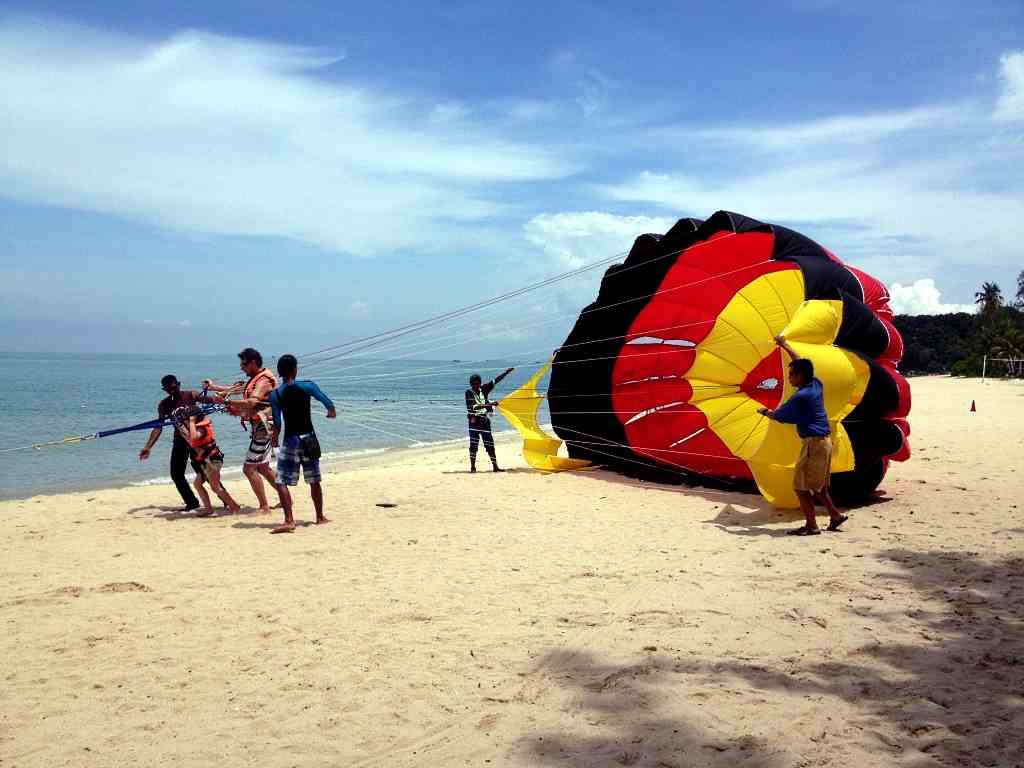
806, 409
290, 402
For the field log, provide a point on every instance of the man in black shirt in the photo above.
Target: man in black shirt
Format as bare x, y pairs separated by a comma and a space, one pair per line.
478, 412
176, 398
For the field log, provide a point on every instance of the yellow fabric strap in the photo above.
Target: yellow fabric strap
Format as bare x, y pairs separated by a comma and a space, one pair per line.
539, 449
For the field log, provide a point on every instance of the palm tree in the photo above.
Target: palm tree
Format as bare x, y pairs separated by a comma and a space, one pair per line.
1009, 344
990, 298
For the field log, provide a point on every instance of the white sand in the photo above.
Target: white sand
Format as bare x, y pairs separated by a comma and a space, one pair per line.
528, 620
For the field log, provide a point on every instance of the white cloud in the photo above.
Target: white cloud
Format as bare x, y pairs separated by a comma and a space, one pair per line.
922, 298
446, 114
184, 323
592, 87
529, 111
359, 308
928, 183
1011, 76
575, 239
231, 136
842, 129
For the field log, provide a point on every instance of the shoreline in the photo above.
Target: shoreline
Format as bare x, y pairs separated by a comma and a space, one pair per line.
332, 460
338, 459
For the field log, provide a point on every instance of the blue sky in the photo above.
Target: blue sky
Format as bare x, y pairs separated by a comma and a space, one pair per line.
193, 177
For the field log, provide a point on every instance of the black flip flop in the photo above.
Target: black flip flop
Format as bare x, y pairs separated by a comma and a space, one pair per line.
803, 530
834, 526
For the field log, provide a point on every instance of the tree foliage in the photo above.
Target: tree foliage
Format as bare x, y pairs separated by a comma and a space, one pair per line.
958, 343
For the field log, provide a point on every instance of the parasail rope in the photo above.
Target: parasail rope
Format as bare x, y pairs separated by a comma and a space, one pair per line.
660, 466
368, 342
382, 338
637, 334
604, 442
433, 371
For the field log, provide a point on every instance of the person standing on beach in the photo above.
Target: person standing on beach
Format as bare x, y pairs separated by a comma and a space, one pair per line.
478, 412
254, 410
806, 409
290, 403
176, 398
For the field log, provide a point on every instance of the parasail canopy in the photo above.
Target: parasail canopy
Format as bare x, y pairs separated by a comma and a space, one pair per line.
671, 364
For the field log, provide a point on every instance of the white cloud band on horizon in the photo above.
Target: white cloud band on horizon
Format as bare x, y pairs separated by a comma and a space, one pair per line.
923, 298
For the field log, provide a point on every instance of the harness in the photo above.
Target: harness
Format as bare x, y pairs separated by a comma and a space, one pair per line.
206, 441
480, 405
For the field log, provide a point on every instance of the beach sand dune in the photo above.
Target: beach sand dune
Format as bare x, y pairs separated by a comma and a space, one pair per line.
529, 620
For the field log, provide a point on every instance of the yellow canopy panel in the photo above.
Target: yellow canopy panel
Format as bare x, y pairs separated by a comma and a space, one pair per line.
539, 448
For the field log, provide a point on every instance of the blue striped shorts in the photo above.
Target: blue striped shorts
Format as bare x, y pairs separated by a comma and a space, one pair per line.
290, 457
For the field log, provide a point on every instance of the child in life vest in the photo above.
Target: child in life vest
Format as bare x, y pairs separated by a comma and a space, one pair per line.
207, 460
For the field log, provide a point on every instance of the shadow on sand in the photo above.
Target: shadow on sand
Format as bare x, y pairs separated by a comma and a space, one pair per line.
271, 525
619, 712
178, 513
953, 695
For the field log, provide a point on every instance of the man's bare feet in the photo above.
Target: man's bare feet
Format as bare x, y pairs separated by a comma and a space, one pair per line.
322, 520
206, 513
234, 509
286, 528
264, 511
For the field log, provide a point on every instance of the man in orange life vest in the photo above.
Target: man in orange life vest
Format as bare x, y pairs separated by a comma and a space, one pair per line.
254, 410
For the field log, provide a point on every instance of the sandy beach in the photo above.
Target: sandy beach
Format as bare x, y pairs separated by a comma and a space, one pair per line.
529, 620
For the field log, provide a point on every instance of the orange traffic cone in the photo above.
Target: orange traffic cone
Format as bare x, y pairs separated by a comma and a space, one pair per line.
973, 409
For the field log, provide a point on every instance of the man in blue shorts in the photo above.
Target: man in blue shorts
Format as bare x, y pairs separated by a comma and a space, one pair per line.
299, 447
806, 409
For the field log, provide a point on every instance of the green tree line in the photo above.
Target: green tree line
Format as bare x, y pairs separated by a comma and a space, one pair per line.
957, 343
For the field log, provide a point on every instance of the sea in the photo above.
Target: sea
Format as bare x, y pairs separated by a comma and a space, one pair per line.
383, 405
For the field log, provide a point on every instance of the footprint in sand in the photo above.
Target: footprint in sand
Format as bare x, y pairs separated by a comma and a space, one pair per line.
124, 586
487, 722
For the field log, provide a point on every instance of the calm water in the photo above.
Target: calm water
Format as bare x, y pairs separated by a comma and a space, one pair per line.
381, 405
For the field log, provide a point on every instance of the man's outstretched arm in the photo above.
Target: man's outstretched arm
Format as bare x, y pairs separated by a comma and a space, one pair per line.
313, 390
781, 341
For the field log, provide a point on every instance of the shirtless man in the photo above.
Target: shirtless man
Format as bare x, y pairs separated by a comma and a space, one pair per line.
254, 410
